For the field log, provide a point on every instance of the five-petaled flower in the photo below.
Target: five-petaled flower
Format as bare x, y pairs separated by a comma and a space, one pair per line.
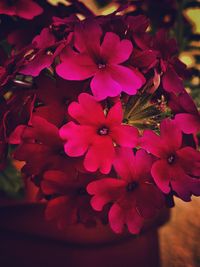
69, 200
177, 167
96, 134
102, 61
134, 196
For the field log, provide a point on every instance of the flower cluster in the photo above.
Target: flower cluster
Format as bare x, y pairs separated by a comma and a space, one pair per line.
97, 111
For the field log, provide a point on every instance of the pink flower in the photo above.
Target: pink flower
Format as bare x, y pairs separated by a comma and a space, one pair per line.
188, 117
96, 135
134, 196
39, 56
102, 61
176, 166
21, 8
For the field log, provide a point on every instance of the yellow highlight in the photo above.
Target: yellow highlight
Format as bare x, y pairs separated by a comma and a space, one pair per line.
112, 8
56, 2
193, 15
187, 58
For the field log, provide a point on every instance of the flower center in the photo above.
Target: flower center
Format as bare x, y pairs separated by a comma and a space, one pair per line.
131, 186
171, 159
81, 191
103, 131
101, 66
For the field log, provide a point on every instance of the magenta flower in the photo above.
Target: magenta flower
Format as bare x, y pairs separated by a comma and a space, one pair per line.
39, 55
174, 71
176, 166
95, 135
188, 123
134, 196
21, 8
102, 61
188, 116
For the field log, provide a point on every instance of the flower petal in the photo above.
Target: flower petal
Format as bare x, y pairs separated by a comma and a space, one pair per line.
87, 36
28, 10
125, 135
171, 81
83, 111
185, 186
76, 66
134, 221
78, 138
189, 159
116, 218
57, 182
169, 128
151, 142
63, 210
129, 79
100, 155
161, 174
115, 51
188, 123
149, 199
105, 191
124, 163
115, 115
103, 85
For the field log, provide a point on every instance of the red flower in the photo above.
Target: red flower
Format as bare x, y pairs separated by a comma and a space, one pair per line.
100, 61
176, 166
134, 196
40, 147
53, 105
21, 8
174, 71
69, 201
96, 134
188, 123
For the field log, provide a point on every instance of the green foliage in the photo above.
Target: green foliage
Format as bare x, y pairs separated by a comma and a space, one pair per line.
11, 182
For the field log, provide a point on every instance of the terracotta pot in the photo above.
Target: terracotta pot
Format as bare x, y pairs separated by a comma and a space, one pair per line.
24, 230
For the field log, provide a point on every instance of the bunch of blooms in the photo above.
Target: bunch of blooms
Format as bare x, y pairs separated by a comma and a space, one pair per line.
97, 111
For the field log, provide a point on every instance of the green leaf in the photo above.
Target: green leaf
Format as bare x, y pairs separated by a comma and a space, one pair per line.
11, 182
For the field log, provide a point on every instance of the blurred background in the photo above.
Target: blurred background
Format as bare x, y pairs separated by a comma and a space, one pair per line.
179, 239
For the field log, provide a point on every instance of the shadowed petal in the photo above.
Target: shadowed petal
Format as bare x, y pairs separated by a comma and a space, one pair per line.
161, 174
189, 159
116, 218
188, 123
105, 191
172, 82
